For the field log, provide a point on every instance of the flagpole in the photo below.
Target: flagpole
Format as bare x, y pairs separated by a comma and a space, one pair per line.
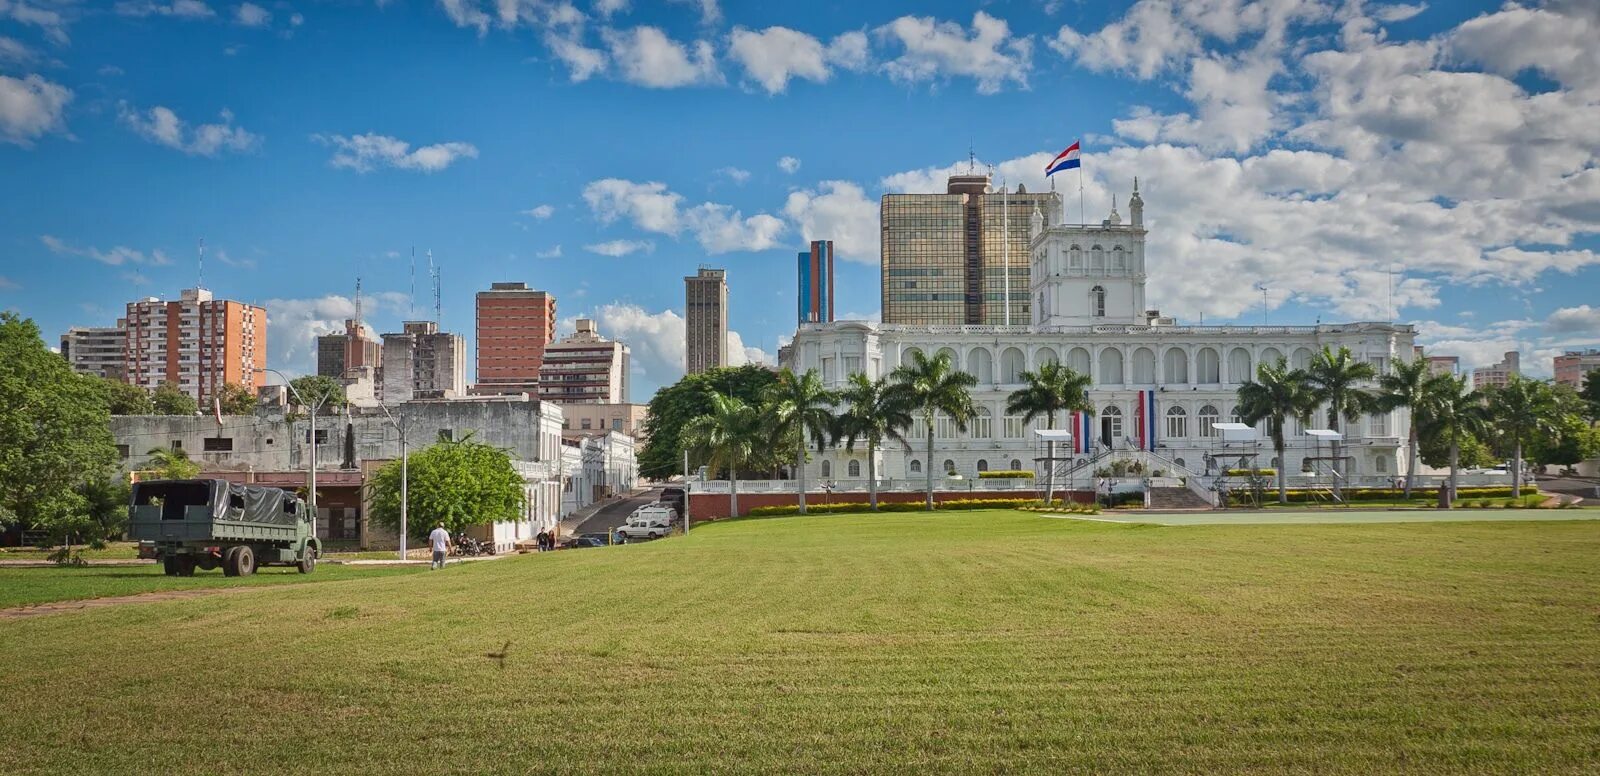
1005, 244
1082, 219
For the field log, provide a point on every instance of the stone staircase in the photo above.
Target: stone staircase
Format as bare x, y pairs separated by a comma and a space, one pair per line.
1175, 498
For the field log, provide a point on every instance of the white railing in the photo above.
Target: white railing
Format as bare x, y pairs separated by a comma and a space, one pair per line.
1022, 486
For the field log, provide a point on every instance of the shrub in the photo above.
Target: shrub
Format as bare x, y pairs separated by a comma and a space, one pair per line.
1248, 472
1301, 495
1483, 503
1006, 474
953, 505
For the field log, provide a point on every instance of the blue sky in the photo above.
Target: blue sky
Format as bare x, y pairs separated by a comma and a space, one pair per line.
603, 150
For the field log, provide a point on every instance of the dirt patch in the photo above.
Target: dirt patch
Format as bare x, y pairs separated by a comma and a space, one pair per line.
58, 607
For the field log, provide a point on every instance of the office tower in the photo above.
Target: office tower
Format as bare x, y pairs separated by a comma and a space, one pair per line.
705, 320
96, 350
421, 362
196, 343
1497, 375
1570, 367
339, 354
816, 283
585, 368
515, 325
950, 259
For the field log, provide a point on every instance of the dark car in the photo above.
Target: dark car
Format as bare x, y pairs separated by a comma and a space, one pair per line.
587, 540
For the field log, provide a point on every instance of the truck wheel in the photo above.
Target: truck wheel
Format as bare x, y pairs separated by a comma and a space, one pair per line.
308, 560
186, 565
246, 560
169, 565
230, 562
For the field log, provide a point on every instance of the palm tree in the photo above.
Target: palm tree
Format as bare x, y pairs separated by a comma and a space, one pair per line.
171, 464
727, 437
799, 408
1278, 393
1052, 389
877, 413
931, 386
1406, 387
1522, 409
1453, 410
1332, 376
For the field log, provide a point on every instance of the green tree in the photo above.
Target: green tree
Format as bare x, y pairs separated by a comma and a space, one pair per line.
124, 398
165, 463
1406, 387
1334, 376
674, 406
1051, 390
55, 433
1471, 453
236, 400
1277, 394
457, 484
318, 390
801, 408
1521, 410
169, 400
931, 386
1572, 440
877, 413
726, 438
1591, 394
1453, 414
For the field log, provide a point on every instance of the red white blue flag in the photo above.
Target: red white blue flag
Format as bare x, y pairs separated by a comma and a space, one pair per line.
1066, 160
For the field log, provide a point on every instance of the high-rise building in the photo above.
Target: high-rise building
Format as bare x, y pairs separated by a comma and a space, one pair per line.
816, 283
338, 354
421, 362
515, 325
96, 350
1497, 375
585, 368
705, 318
1440, 365
1570, 367
957, 258
196, 343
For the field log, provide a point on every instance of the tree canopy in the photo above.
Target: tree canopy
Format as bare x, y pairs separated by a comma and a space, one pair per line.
674, 406
165, 463
459, 484
317, 389
169, 400
237, 399
1590, 393
123, 398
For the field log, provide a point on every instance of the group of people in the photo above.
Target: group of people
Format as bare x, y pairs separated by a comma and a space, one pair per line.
546, 541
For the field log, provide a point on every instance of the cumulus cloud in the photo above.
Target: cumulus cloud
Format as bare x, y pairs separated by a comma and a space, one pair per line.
837, 211
773, 56
294, 324
734, 174
115, 257
540, 212
617, 248
49, 21
162, 126
789, 164
177, 9
31, 107
1582, 319
368, 152
549, 253
651, 206
647, 57
252, 15
933, 50
16, 52
656, 343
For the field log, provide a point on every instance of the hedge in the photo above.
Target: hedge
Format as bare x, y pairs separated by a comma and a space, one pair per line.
952, 505
1300, 496
1248, 472
1006, 474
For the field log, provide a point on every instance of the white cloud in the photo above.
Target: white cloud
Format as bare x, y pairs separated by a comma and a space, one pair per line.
772, 56
1560, 45
50, 22
296, 19
15, 51
365, 153
233, 261
740, 354
540, 212
656, 342
789, 164
933, 50
710, 10
114, 257
1398, 12
608, 8
582, 61
647, 57
850, 50
838, 211
7, 284
550, 253
654, 208
1150, 38
721, 229
1583, 319
252, 15
177, 9
734, 174
294, 324
31, 107
616, 248
161, 125
650, 206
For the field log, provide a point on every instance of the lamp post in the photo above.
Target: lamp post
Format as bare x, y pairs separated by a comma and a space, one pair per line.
311, 476
405, 476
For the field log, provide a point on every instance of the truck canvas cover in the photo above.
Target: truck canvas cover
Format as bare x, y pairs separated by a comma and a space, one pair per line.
226, 501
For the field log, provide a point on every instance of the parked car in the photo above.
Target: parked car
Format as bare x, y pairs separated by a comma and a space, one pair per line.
586, 540
655, 512
653, 527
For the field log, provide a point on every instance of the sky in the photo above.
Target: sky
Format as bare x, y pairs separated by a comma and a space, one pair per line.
1430, 163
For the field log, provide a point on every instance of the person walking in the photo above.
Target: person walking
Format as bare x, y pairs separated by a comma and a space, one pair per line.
440, 540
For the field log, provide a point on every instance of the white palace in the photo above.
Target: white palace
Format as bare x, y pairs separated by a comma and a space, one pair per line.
1158, 387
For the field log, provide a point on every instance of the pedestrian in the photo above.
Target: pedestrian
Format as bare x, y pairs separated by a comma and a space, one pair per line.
544, 541
440, 540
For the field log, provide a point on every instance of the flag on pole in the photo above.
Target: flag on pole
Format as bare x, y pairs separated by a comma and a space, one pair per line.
1066, 160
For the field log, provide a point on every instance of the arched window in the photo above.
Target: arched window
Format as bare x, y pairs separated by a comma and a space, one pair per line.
983, 465
1044, 310
1111, 367
1177, 366
1045, 355
981, 365
827, 469
1271, 355
1012, 366
1239, 366
980, 427
915, 466
1208, 367
949, 467
1302, 358
1177, 422
1075, 259
1144, 366
955, 361
1097, 260
1380, 464
853, 469
1237, 416
1078, 361
1207, 420
1097, 302
1110, 425
907, 355
1180, 462
1119, 260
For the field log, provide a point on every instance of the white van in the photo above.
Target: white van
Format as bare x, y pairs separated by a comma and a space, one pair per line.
645, 527
655, 511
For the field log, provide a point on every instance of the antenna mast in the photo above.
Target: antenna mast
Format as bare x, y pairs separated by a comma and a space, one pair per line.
434, 270
201, 283
412, 313
358, 299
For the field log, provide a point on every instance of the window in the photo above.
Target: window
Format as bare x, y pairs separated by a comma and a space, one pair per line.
1011, 427
1208, 367
981, 428
853, 469
827, 370
1378, 425
944, 426
949, 467
918, 429
1111, 367
1177, 422
852, 365
916, 466
1097, 260
983, 465
218, 445
1207, 421
827, 469
177, 445
1016, 464
1306, 464
1380, 464
1180, 462
1119, 260
1075, 259
587, 423
616, 424
122, 452
1177, 366
1097, 302
1111, 425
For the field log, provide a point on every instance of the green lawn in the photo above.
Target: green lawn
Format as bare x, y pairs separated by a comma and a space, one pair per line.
963, 642
26, 586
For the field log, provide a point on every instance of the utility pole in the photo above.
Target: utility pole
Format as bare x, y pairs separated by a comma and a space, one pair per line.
686, 491
311, 475
405, 477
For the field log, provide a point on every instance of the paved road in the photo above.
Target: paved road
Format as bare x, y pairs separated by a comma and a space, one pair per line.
616, 513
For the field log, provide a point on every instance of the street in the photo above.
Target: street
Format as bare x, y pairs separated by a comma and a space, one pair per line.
616, 513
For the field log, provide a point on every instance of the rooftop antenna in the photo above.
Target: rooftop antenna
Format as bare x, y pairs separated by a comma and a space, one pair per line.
972, 160
433, 270
412, 312
201, 283
358, 298
1263, 289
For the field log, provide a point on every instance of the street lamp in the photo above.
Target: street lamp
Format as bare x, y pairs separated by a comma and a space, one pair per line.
315, 408
405, 475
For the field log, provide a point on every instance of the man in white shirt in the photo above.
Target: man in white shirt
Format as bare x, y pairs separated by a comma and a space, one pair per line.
440, 540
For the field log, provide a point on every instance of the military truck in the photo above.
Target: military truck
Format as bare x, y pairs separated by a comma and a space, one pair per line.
209, 524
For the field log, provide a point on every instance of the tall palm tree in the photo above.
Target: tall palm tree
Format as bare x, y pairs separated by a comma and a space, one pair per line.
1050, 390
1520, 410
877, 413
1406, 387
1455, 412
1277, 394
1333, 377
727, 437
932, 385
171, 464
801, 408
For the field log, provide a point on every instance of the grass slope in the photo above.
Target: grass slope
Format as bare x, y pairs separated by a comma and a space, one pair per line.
27, 586
956, 643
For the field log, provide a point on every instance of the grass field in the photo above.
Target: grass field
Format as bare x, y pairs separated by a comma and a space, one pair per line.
963, 642
26, 586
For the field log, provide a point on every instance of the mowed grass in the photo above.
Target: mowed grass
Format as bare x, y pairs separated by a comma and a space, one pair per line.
962, 642
28, 586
